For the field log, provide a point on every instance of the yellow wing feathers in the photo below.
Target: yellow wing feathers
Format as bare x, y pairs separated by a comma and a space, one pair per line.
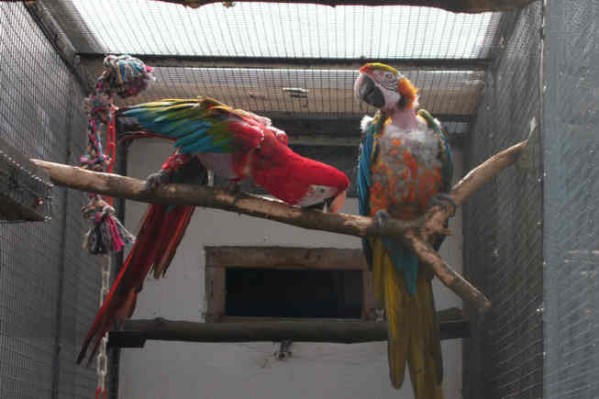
412, 326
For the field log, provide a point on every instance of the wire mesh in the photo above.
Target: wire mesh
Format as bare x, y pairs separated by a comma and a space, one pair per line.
572, 212
24, 189
503, 245
48, 285
270, 29
309, 92
290, 32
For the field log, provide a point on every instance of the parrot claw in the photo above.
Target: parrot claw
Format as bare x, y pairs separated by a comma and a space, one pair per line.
284, 351
382, 217
157, 179
444, 201
234, 187
436, 220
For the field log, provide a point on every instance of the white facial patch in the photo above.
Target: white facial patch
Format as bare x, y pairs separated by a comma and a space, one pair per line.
317, 194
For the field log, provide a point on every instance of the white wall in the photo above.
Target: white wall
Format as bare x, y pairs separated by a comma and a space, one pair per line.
172, 370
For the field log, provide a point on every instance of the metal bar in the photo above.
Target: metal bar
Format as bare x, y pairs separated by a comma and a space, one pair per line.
61, 45
94, 61
114, 356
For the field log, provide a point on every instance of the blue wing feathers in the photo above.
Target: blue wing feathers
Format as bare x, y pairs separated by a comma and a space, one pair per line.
195, 142
404, 260
363, 182
194, 125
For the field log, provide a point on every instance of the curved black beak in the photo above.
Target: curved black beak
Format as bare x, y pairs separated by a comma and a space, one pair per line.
370, 93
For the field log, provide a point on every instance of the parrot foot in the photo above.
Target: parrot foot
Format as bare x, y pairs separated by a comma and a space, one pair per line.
436, 221
444, 201
382, 217
284, 351
157, 179
234, 187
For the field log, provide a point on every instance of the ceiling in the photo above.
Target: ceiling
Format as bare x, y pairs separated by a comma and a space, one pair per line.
291, 61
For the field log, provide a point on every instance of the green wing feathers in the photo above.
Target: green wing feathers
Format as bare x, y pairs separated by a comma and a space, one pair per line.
445, 151
198, 125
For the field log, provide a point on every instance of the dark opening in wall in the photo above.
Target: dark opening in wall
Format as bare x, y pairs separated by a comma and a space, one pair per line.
294, 293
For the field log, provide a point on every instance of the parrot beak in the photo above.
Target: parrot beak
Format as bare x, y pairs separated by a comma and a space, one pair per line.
366, 90
323, 198
337, 202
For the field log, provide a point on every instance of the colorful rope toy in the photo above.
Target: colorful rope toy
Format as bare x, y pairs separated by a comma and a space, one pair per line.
126, 76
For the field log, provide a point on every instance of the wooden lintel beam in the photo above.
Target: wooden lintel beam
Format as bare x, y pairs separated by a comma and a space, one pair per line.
291, 119
288, 257
320, 130
136, 332
94, 61
465, 6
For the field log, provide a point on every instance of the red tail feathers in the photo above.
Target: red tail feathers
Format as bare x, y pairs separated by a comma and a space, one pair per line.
161, 232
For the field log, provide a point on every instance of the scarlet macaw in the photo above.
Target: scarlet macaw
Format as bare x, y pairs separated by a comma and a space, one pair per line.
404, 167
233, 143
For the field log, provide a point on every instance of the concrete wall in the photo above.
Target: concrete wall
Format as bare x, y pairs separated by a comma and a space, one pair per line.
226, 371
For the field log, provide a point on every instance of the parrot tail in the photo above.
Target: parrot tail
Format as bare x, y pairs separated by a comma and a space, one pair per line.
161, 232
412, 327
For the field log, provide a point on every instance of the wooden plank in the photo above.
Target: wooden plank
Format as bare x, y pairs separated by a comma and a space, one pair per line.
466, 6
94, 61
368, 304
285, 258
215, 293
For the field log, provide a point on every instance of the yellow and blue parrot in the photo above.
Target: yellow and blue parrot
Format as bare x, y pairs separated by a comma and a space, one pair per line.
404, 168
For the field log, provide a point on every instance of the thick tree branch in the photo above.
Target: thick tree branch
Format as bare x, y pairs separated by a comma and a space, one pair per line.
484, 172
247, 204
467, 6
136, 332
414, 234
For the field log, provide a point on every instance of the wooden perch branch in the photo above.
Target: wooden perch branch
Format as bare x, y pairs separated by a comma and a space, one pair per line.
136, 332
413, 233
467, 6
218, 198
484, 172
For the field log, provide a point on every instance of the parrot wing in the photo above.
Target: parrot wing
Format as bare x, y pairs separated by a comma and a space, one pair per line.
363, 180
120, 302
363, 186
201, 125
444, 150
161, 232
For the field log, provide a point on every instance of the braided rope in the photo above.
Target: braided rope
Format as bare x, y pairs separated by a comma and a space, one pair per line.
126, 76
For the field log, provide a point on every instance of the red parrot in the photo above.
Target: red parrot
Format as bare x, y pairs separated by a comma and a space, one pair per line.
235, 145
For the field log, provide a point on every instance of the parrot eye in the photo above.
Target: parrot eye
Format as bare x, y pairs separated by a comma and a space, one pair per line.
388, 76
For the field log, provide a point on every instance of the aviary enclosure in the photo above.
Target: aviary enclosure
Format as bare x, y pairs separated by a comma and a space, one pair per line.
515, 75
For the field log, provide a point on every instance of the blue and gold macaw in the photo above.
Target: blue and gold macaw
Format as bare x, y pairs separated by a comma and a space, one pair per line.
404, 167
